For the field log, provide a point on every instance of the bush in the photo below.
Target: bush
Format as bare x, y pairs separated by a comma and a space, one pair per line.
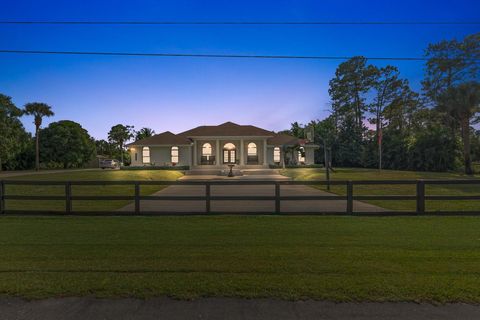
178, 168
290, 166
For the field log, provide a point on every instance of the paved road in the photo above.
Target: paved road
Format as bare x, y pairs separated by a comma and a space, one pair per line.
225, 309
257, 206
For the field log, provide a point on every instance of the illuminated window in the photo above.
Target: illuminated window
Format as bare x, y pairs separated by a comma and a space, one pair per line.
276, 154
229, 146
207, 149
301, 155
252, 149
229, 155
146, 155
174, 154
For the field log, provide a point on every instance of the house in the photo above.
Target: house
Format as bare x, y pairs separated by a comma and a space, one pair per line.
217, 146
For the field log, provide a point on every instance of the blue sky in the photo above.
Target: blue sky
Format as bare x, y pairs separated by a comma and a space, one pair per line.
179, 93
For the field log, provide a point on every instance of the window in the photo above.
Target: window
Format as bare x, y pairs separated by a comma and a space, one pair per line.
207, 149
229, 146
276, 154
136, 156
229, 155
174, 155
146, 155
301, 155
252, 149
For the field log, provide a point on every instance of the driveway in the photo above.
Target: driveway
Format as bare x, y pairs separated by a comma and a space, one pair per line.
246, 206
225, 309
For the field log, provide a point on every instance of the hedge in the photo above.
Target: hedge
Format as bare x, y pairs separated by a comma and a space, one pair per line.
179, 168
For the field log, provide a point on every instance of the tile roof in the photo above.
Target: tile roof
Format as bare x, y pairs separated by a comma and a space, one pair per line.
283, 139
164, 138
227, 129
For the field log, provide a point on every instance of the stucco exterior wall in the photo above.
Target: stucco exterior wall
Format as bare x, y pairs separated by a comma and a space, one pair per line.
161, 156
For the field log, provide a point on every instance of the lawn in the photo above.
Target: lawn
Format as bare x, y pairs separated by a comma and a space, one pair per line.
373, 174
328, 258
82, 205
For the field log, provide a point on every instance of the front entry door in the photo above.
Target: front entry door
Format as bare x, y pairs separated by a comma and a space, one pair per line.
229, 156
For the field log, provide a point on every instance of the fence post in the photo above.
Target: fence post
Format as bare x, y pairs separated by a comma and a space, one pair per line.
2, 197
420, 196
137, 197
349, 197
277, 197
68, 197
207, 195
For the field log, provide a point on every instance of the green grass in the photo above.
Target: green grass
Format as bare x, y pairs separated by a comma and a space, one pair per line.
82, 205
330, 258
373, 174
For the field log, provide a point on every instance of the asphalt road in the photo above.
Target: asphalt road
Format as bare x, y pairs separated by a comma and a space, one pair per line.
224, 309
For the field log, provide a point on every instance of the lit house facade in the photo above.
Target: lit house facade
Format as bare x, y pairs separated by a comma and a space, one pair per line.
245, 146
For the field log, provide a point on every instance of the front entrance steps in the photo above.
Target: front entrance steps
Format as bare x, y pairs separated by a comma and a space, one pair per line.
236, 171
201, 172
259, 172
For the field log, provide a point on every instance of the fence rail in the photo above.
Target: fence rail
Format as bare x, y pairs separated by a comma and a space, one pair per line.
420, 197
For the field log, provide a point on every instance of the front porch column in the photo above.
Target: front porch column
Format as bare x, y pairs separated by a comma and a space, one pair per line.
217, 152
242, 157
190, 163
195, 152
265, 152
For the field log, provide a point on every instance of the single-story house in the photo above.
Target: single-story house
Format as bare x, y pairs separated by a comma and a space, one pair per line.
217, 146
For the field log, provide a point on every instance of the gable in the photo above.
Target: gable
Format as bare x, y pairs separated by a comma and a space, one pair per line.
227, 129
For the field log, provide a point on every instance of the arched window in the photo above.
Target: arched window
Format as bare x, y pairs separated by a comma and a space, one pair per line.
207, 149
229, 146
174, 154
301, 155
229, 154
276, 154
252, 149
146, 155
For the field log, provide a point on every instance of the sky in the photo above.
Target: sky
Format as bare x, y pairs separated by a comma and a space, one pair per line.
177, 94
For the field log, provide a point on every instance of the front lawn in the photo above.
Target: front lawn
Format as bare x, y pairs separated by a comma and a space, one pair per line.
82, 205
330, 258
373, 174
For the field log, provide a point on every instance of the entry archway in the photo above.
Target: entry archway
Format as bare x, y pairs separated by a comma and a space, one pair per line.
229, 153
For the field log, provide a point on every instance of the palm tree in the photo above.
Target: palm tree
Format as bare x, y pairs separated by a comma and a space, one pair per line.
143, 133
462, 103
38, 110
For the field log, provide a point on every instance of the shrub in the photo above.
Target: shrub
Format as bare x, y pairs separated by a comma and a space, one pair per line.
177, 168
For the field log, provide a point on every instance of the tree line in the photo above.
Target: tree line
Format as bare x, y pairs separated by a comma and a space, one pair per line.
62, 144
377, 120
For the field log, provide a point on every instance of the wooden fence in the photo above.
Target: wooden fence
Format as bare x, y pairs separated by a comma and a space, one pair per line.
420, 197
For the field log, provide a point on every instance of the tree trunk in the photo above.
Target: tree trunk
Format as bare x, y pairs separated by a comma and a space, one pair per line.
0, 164
379, 141
121, 154
37, 151
466, 146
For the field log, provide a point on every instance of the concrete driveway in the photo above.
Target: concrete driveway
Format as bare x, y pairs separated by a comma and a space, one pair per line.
246, 206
